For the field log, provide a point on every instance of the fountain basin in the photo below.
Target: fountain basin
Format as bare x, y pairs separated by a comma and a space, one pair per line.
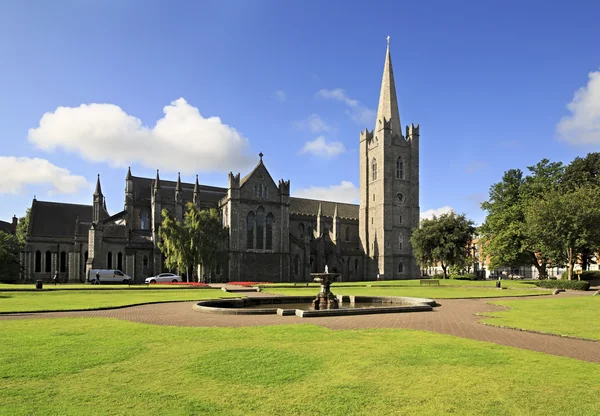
301, 306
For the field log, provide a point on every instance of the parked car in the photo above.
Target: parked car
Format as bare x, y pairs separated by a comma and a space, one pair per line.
97, 276
164, 277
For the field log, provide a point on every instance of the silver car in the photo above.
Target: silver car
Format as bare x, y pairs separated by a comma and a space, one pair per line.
164, 278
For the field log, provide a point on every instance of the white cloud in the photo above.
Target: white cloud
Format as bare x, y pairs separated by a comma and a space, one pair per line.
280, 95
344, 192
360, 114
583, 125
321, 148
314, 123
436, 211
183, 140
18, 172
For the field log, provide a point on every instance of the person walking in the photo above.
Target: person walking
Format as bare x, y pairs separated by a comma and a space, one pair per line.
97, 278
55, 278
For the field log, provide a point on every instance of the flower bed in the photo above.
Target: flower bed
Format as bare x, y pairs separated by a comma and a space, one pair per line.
195, 284
249, 284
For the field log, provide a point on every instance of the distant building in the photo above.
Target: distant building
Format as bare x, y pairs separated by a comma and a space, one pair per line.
272, 236
9, 227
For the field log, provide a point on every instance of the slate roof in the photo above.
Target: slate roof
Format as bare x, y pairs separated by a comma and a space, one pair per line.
7, 227
311, 207
56, 219
142, 189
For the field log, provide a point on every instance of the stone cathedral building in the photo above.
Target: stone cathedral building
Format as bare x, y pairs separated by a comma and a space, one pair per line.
272, 235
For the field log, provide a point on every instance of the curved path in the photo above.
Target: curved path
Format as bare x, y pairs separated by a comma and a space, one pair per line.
455, 317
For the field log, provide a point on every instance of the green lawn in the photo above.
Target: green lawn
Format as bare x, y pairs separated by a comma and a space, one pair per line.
50, 286
443, 282
424, 292
62, 300
573, 316
106, 366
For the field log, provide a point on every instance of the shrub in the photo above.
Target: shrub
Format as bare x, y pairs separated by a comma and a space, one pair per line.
467, 276
437, 276
585, 275
563, 284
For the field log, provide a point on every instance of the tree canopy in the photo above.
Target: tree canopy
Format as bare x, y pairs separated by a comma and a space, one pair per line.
443, 240
9, 257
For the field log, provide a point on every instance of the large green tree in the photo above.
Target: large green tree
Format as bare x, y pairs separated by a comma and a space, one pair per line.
22, 227
9, 258
199, 240
504, 233
443, 240
563, 223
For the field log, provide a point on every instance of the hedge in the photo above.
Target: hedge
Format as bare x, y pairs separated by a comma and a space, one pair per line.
585, 275
563, 284
467, 276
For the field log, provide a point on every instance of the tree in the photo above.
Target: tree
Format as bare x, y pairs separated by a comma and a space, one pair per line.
200, 239
9, 257
565, 223
443, 240
22, 227
504, 231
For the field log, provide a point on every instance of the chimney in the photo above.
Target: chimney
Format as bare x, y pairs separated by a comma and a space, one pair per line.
15, 221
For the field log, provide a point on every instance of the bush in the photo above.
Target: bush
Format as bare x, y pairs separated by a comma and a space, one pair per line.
467, 276
585, 275
437, 276
563, 284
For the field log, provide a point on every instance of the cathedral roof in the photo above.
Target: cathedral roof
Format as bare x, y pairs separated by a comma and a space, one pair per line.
55, 219
142, 189
311, 207
7, 227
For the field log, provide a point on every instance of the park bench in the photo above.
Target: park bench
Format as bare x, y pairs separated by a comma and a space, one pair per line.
430, 282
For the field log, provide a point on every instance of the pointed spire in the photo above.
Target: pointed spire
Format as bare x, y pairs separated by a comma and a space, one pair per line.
98, 190
157, 181
388, 102
320, 212
335, 213
104, 206
178, 186
128, 177
196, 197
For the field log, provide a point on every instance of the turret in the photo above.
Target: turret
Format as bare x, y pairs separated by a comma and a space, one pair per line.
196, 197
319, 229
99, 209
233, 186
336, 225
129, 198
178, 199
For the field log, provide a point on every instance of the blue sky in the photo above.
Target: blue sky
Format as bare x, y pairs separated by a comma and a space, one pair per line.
488, 82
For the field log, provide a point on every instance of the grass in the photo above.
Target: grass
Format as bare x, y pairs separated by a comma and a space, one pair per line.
444, 292
64, 300
88, 286
415, 282
105, 366
572, 316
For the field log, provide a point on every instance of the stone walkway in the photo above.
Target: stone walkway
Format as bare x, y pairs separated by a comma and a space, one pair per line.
455, 317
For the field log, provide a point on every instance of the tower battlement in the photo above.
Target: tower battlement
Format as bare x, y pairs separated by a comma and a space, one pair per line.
284, 187
233, 180
366, 135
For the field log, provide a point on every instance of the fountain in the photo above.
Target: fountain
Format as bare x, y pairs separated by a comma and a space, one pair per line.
325, 299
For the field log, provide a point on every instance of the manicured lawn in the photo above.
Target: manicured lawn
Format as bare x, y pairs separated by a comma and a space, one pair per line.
443, 282
62, 300
67, 286
424, 292
104, 366
574, 316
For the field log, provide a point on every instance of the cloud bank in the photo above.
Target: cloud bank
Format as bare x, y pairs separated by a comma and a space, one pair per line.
582, 127
344, 192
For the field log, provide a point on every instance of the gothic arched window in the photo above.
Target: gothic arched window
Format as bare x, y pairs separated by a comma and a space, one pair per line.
144, 223
269, 232
374, 169
400, 268
347, 234
120, 261
400, 241
250, 230
109, 260
399, 168
145, 261
301, 230
355, 265
63, 262
296, 265
38, 261
48, 259
260, 228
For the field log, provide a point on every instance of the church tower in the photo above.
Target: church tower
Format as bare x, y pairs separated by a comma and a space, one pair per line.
389, 188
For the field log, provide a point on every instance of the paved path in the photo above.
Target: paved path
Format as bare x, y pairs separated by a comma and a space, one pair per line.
455, 317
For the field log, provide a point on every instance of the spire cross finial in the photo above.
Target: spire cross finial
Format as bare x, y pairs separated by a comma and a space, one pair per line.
388, 40
260, 155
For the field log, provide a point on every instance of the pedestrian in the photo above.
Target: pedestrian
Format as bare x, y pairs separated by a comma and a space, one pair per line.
97, 278
55, 278
378, 277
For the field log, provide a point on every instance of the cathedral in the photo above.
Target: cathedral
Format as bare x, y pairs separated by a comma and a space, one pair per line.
272, 236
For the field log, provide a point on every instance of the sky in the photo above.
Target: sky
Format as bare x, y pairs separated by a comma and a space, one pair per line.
91, 87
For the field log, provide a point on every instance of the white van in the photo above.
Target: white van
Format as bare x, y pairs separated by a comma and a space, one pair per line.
108, 276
